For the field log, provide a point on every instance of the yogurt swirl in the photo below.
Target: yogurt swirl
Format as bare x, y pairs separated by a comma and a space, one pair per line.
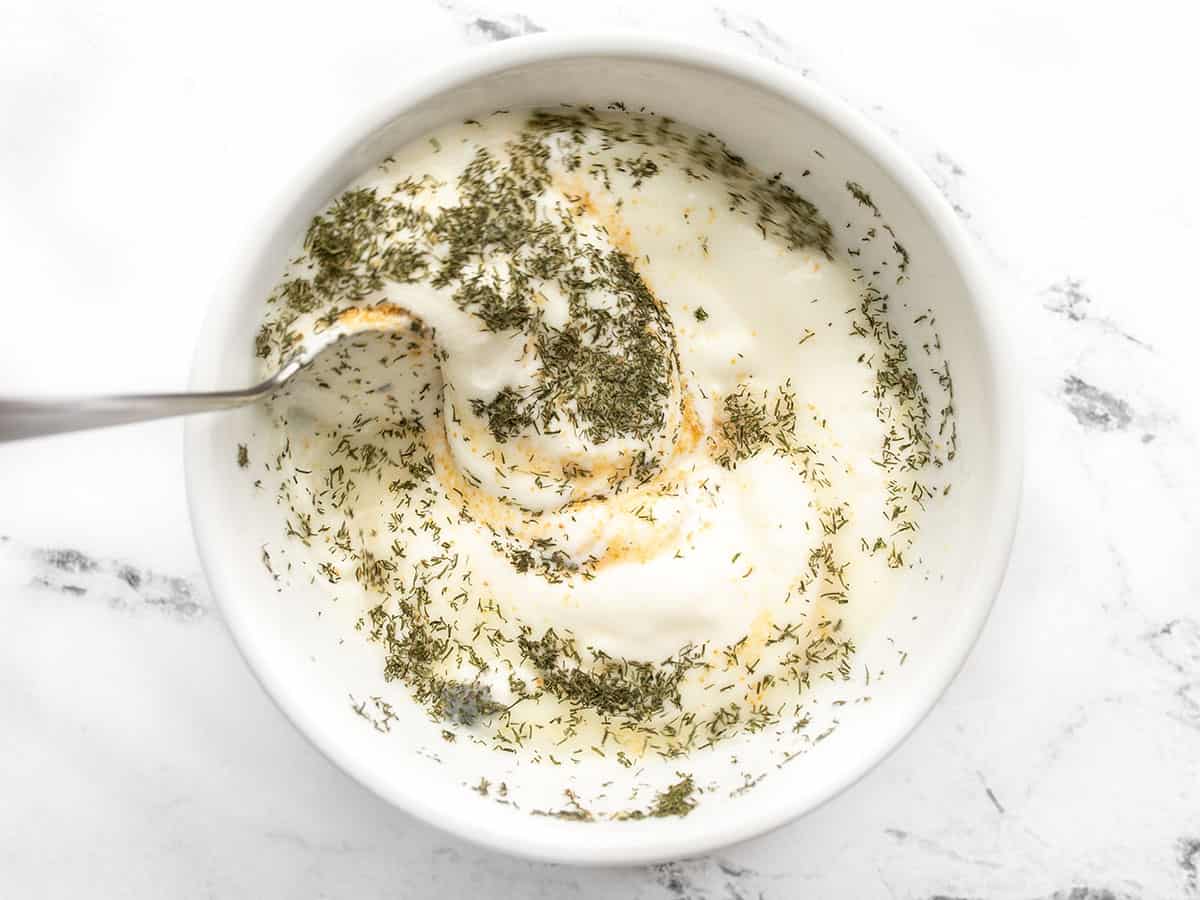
652, 442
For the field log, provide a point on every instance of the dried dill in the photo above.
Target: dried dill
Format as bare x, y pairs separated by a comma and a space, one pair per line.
632, 689
752, 421
864, 199
574, 811
676, 800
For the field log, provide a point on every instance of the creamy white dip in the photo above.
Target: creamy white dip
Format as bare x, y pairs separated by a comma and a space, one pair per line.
653, 458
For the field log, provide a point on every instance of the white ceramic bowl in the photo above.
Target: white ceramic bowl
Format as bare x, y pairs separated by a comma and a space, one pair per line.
776, 120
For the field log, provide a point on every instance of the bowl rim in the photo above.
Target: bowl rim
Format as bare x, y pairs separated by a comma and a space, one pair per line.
991, 554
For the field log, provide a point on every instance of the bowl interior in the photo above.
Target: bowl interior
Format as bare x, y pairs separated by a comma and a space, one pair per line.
305, 650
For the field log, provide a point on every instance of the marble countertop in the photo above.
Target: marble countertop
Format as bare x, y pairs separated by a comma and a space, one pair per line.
138, 756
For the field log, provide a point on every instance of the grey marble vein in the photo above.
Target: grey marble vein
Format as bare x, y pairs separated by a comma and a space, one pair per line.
991, 795
1189, 699
1189, 862
1177, 643
492, 27
947, 176
708, 879
116, 582
1094, 408
512, 26
759, 37
937, 848
1067, 298
1073, 893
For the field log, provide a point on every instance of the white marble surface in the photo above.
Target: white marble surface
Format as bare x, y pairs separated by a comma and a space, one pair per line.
139, 758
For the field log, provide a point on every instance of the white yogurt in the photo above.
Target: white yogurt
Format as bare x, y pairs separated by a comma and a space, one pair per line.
774, 492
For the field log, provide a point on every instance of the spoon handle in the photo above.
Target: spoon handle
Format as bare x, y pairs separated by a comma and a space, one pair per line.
20, 418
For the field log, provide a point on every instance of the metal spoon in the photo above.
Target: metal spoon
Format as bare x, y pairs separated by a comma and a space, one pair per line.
33, 418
